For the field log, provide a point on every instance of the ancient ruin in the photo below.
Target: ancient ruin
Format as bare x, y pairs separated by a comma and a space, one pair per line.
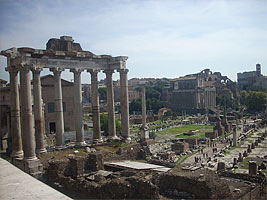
60, 54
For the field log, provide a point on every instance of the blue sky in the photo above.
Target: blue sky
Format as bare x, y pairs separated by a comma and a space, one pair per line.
164, 38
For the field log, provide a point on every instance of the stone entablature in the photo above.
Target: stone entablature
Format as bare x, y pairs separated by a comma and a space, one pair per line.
69, 58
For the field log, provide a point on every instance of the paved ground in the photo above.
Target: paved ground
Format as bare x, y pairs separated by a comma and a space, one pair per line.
260, 150
15, 184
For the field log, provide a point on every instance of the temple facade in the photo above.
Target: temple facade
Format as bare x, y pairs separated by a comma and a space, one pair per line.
60, 54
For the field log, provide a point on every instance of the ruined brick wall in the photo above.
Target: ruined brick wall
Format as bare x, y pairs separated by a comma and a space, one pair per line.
75, 166
129, 152
94, 162
201, 189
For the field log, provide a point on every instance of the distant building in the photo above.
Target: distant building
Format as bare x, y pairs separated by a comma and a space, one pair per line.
49, 102
4, 113
261, 82
192, 93
3, 83
133, 94
246, 79
86, 91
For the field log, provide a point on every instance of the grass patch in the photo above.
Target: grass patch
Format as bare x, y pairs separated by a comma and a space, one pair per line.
186, 129
259, 134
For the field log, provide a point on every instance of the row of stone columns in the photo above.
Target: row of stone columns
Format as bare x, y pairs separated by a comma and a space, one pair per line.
22, 131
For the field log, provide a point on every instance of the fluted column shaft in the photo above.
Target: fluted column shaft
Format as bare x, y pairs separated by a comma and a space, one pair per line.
58, 106
95, 106
28, 139
143, 106
38, 113
110, 103
124, 99
78, 106
15, 130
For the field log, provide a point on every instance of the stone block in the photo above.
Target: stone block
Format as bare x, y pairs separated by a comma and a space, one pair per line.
180, 147
221, 166
33, 166
212, 135
77, 166
252, 168
94, 162
192, 142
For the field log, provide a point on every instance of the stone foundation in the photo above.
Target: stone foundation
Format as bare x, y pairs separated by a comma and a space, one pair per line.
32, 167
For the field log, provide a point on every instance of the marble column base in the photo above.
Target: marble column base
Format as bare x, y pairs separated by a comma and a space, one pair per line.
32, 166
96, 141
59, 147
127, 140
40, 151
113, 137
17, 154
80, 144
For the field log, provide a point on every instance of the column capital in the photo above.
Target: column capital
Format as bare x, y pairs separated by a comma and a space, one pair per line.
76, 70
36, 70
57, 70
124, 70
108, 71
12, 69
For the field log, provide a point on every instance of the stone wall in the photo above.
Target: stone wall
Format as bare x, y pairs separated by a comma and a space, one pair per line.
74, 166
208, 188
246, 177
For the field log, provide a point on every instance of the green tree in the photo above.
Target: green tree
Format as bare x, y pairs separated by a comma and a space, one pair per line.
135, 105
104, 124
256, 101
102, 93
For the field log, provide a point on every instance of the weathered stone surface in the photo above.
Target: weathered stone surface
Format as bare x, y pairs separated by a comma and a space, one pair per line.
252, 168
65, 43
221, 166
77, 166
180, 147
211, 188
94, 162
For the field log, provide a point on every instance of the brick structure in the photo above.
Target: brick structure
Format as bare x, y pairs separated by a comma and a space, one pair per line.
180, 147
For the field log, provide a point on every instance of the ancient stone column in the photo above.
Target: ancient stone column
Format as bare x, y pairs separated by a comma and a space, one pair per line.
124, 98
143, 99
110, 103
17, 151
38, 114
58, 106
95, 107
234, 136
78, 107
144, 135
28, 139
